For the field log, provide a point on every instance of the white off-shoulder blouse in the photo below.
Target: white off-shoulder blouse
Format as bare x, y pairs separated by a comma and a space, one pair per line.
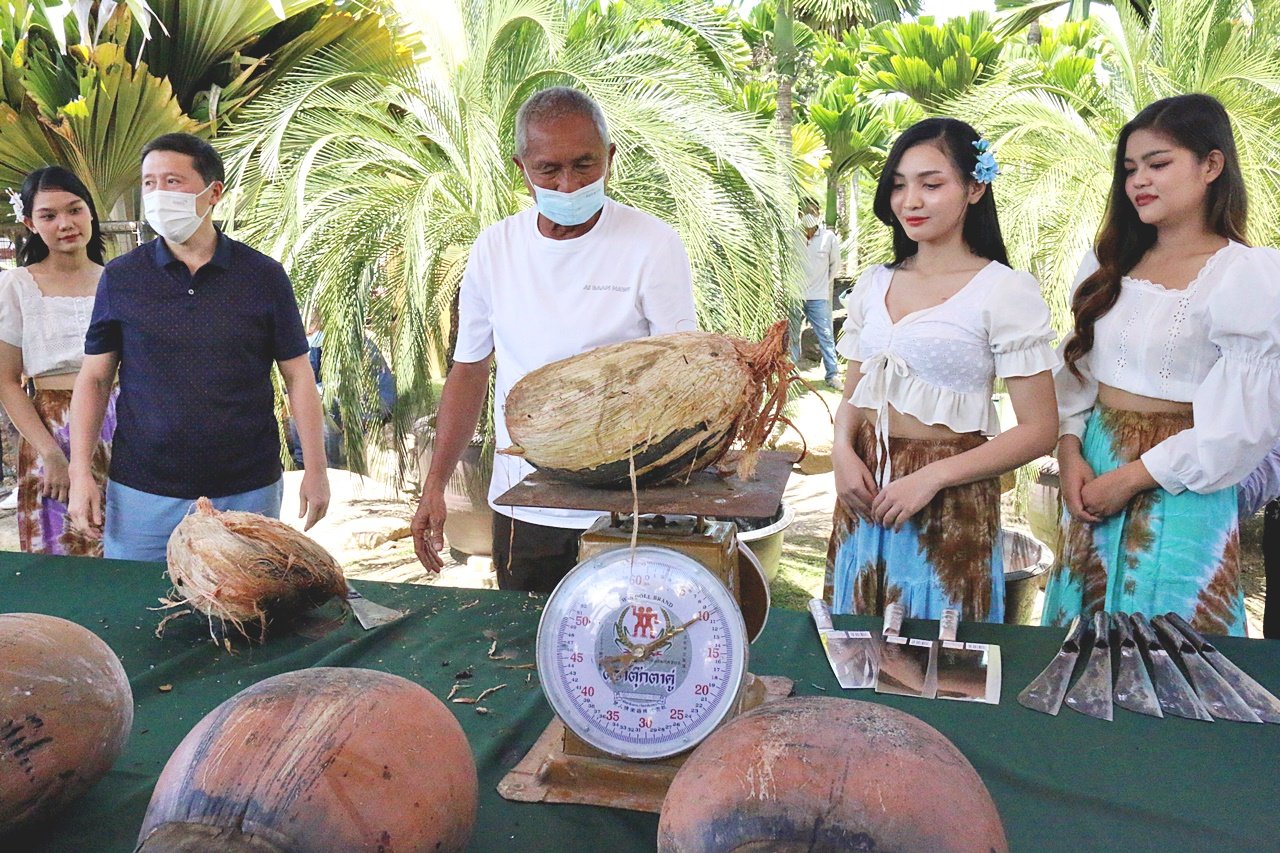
939, 364
48, 329
1215, 345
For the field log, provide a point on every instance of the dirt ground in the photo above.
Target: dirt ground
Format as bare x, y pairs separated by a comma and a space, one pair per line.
367, 528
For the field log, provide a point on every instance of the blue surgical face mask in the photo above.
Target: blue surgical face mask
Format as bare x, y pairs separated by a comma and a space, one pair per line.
569, 209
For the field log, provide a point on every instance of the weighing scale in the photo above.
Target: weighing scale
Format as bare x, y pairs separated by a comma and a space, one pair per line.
642, 652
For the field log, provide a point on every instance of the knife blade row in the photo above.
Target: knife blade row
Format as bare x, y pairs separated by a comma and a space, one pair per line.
1151, 658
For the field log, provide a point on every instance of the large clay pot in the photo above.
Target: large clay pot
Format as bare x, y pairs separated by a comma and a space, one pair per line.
65, 714
320, 760
826, 774
468, 527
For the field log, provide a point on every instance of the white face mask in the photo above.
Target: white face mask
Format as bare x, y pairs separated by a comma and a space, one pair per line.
810, 220
172, 215
569, 209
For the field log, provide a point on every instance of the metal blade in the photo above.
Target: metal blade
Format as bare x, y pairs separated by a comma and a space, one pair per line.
1133, 688
963, 671
369, 614
854, 655
1174, 694
1257, 697
904, 663
1218, 696
1092, 693
1045, 692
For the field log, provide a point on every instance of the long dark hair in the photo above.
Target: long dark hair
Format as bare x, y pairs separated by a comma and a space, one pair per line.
954, 138
33, 248
1198, 123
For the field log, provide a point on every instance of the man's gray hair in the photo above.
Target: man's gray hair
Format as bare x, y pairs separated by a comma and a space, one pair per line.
554, 103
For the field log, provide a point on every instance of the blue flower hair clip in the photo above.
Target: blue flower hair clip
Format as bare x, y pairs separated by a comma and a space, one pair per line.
986, 169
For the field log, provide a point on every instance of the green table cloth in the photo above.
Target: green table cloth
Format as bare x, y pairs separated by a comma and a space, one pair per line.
1061, 783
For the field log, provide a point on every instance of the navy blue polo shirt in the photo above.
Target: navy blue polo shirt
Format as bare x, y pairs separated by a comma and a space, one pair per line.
196, 413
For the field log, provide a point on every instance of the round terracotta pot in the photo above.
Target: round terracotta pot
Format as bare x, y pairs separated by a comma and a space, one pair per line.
65, 714
826, 774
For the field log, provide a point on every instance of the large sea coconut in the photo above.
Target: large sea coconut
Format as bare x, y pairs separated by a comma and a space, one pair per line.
824, 775
667, 406
248, 570
320, 760
65, 714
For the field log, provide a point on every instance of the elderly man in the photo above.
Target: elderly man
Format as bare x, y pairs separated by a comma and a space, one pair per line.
576, 271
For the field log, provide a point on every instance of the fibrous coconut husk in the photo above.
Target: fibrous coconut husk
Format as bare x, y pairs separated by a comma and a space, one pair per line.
665, 406
246, 569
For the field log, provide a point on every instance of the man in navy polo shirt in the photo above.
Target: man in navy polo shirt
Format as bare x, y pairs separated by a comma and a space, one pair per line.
192, 322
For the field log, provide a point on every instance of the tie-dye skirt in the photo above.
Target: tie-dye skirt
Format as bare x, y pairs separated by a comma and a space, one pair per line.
43, 527
948, 555
1162, 552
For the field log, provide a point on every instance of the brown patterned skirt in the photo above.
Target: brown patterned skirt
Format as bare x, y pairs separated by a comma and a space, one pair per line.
946, 555
43, 526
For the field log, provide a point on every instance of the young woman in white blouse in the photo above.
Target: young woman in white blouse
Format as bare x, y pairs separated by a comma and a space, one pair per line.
45, 305
917, 470
1170, 390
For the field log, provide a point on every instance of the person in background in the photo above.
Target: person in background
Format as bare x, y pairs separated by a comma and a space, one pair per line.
821, 266
45, 305
574, 272
193, 322
1170, 393
918, 451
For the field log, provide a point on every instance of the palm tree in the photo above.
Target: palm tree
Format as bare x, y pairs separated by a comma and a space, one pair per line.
86, 85
929, 61
1027, 12
1054, 124
372, 188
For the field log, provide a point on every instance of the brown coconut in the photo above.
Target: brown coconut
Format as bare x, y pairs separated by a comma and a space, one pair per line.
320, 760
825, 774
65, 714
662, 406
246, 569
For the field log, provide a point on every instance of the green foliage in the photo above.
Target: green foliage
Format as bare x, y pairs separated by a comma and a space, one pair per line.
927, 61
1026, 12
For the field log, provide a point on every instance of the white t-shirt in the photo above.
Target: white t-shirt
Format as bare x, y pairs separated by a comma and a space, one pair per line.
48, 329
531, 300
821, 264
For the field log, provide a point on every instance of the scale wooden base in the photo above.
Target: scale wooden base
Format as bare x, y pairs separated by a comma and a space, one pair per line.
561, 767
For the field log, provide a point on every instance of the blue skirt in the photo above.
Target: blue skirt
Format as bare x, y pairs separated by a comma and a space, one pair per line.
1163, 552
948, 555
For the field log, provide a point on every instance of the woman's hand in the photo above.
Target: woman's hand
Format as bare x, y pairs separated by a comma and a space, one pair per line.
56, 482
1107, 495
1074, 473
903, 498
855, 487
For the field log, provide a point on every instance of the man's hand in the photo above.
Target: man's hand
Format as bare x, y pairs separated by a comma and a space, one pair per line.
428, 529
84, 505
313, 496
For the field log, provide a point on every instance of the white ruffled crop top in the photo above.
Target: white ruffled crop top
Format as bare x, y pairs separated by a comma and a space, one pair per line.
48, 329
939, 364
1215, 345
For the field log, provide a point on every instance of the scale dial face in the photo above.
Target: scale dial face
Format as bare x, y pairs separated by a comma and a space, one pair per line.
642, 653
